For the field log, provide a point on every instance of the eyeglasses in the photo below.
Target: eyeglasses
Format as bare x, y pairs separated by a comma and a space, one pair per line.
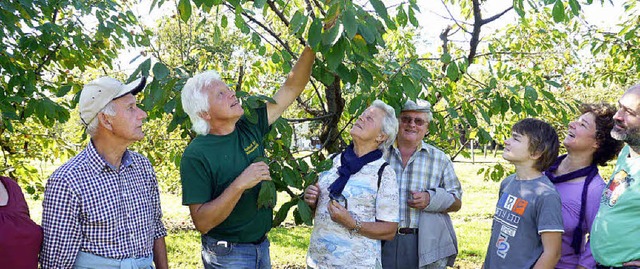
338, 198
408, 120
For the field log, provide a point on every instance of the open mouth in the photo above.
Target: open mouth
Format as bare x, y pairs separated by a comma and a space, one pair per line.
570, 134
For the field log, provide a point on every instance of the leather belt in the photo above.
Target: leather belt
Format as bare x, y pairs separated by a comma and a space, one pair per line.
259, 241
407, 230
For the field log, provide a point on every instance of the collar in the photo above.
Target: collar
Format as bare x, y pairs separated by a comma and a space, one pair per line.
421, 146
98, 163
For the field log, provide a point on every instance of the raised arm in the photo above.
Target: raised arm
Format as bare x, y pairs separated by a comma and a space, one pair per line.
293, 86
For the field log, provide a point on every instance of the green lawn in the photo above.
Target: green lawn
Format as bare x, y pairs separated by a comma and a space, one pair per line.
289, 243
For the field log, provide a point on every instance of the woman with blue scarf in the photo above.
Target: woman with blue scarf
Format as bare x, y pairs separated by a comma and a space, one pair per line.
356, 201
578, 181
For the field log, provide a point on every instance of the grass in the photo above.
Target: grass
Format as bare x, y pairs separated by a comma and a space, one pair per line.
289, 243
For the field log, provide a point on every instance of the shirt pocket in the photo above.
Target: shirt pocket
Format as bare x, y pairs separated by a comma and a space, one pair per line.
103, 211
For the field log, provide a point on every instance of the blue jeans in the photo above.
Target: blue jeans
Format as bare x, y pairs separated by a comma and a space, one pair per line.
217, 254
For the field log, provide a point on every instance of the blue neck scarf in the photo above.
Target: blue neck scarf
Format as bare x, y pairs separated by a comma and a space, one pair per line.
351, 164
590, 172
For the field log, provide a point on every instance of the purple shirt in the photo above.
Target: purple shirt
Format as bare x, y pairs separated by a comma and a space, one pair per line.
20, 237
570, 194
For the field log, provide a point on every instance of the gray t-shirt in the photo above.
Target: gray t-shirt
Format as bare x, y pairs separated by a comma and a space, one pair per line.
526, 209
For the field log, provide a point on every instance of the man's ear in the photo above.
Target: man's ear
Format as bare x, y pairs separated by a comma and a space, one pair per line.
204, 115
104, 121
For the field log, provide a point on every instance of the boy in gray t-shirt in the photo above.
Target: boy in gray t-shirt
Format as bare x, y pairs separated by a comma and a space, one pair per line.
527, 226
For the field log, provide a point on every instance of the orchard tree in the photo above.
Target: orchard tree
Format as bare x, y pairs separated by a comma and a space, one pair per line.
47, 51
365, 51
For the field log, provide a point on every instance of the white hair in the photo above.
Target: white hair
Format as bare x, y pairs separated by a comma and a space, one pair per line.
109, 109
389, 124
195, 100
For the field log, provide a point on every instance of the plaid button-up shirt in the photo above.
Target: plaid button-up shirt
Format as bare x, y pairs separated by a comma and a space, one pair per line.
92, 207
428, 168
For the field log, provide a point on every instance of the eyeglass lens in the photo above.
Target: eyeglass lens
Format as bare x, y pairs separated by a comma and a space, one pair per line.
408, 120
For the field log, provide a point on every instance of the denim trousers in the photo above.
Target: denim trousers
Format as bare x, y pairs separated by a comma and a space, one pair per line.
218, 254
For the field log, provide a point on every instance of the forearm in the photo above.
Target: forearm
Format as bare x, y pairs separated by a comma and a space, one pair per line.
551, 244
160, 254
301, 71
379, 230
457, 204
293, 85
210, 214
547, 260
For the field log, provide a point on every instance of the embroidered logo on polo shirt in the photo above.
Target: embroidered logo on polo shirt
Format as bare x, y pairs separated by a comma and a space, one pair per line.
251, 148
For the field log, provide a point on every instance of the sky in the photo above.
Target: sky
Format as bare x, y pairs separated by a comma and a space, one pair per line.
433, 18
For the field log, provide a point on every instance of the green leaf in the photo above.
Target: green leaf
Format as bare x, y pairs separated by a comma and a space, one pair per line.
160, 70
558, 11
452, 71
401, 16
275, 57
380, 9
224, 21
184, 8
305, 212
355, 104
63, 90
350, 23
315, 34
331, 37
366, 33
412, 18
267, 196
297, 22
281, 215
575, 7
530, 93
471, 118
335, 55
259, 3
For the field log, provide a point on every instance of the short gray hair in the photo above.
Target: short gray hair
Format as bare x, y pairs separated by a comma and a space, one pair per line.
194, 100
389, 124
92, 127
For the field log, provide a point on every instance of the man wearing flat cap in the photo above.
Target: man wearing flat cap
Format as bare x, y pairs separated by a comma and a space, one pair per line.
101, 209
429, 189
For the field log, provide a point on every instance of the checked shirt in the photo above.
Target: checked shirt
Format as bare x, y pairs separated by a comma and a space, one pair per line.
428, 168
92, 207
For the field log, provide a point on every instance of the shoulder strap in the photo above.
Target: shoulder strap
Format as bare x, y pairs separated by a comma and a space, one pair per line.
380, 172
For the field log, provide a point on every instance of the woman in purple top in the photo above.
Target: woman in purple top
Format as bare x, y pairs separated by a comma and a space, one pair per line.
576, 178
20, 237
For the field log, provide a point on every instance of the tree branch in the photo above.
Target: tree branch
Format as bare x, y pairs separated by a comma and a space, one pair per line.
310, 119
495, 17
264, 27
454, 19
475, 36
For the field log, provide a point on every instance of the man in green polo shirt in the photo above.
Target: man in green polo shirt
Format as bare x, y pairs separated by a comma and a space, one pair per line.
219, 178
616, 228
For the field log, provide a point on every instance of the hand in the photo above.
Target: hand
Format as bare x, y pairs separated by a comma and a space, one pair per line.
252, 175
419, 200
311, 195
340, 215
632, 263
